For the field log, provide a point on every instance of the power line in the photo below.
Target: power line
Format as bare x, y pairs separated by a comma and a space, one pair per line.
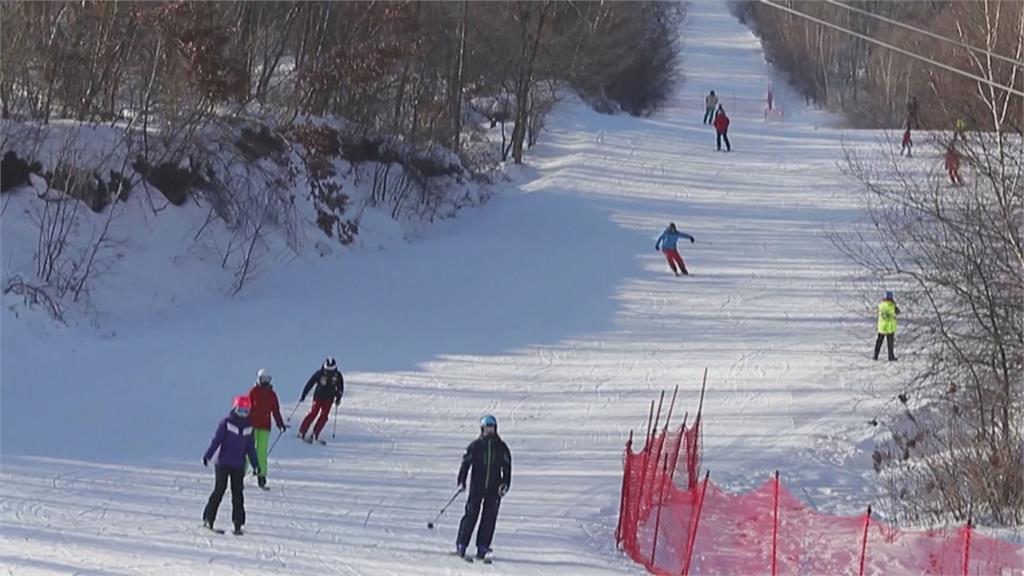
926, 32
974, 77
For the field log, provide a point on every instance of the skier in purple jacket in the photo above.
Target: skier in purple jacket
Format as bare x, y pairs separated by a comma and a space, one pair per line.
234, 438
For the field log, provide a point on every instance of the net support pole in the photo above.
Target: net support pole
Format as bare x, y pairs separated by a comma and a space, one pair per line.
661, 504
671, 405
647, 454
679, 446
775, 526
696, 524
657, 418
650, 450
625, 490
864, 541
967, 545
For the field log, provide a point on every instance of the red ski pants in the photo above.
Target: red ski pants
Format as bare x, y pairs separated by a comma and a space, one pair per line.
674, 260
322, 407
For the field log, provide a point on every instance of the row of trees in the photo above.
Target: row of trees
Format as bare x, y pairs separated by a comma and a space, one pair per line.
871, 84
401, 68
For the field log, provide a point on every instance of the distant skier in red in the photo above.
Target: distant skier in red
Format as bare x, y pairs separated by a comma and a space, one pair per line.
953, 165
722, 129
908, 144
667, 244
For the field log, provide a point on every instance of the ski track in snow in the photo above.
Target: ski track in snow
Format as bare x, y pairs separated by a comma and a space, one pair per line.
568, 371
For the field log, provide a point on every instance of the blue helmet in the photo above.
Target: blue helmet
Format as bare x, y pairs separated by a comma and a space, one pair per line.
488, 421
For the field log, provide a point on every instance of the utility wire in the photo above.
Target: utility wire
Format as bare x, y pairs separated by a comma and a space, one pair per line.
926, 33
974, 77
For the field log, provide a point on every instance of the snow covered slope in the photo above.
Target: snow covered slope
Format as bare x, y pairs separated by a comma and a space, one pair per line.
548, 308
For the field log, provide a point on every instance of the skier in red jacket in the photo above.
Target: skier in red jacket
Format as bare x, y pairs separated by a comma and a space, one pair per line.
953, 165
264, 405
722, 129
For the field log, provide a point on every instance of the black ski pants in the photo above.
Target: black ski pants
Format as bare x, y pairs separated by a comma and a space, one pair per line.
474, 503
889, 338
237, 477
724, 136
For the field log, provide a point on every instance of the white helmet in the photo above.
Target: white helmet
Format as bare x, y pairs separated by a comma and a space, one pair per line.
263, 377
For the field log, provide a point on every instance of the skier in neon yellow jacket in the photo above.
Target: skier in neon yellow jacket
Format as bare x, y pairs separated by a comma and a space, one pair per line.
887, 313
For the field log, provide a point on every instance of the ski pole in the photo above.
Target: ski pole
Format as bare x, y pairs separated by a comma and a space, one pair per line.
297, 404
335, 430
279, 434
430, 525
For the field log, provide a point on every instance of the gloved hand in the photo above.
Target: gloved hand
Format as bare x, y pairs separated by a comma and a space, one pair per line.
337, 401
302, 399
283, 427
206, 461
502, 490
655, 248
462, 486
255, 471
692, 240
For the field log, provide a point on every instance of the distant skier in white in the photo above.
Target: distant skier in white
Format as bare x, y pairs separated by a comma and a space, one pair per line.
710, 103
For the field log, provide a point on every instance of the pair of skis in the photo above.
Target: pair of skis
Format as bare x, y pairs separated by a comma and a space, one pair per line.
222, 531
311, 440
472, 559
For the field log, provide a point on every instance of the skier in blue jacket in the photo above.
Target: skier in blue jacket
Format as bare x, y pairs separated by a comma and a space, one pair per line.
667, 244
233, 442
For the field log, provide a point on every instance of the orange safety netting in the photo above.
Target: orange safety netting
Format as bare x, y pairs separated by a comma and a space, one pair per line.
674, 522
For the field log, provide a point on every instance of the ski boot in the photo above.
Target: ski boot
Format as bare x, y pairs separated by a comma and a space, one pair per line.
481, 554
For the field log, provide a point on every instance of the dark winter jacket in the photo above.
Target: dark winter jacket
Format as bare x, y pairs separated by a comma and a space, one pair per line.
721, 122
264, 405
235, 440
330, 386
491, 462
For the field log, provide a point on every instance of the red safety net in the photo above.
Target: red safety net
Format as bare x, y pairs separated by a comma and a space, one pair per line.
674, 522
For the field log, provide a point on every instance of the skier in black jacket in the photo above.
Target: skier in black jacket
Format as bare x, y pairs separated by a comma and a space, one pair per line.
330, 386
491, 462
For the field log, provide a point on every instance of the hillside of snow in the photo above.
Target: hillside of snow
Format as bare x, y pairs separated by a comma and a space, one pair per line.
547, 307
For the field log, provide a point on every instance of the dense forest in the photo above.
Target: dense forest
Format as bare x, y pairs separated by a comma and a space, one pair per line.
400, 68
872, 84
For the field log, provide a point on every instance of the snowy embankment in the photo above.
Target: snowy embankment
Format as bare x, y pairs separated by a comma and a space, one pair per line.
548, 308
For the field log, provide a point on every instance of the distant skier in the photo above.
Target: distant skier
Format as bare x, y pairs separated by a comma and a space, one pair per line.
264, 405
491, 462
887, 313
908, 144
960, 130
953, 164
912, 110
330, 386
710, 103
233, 442
722, 129
667, 244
